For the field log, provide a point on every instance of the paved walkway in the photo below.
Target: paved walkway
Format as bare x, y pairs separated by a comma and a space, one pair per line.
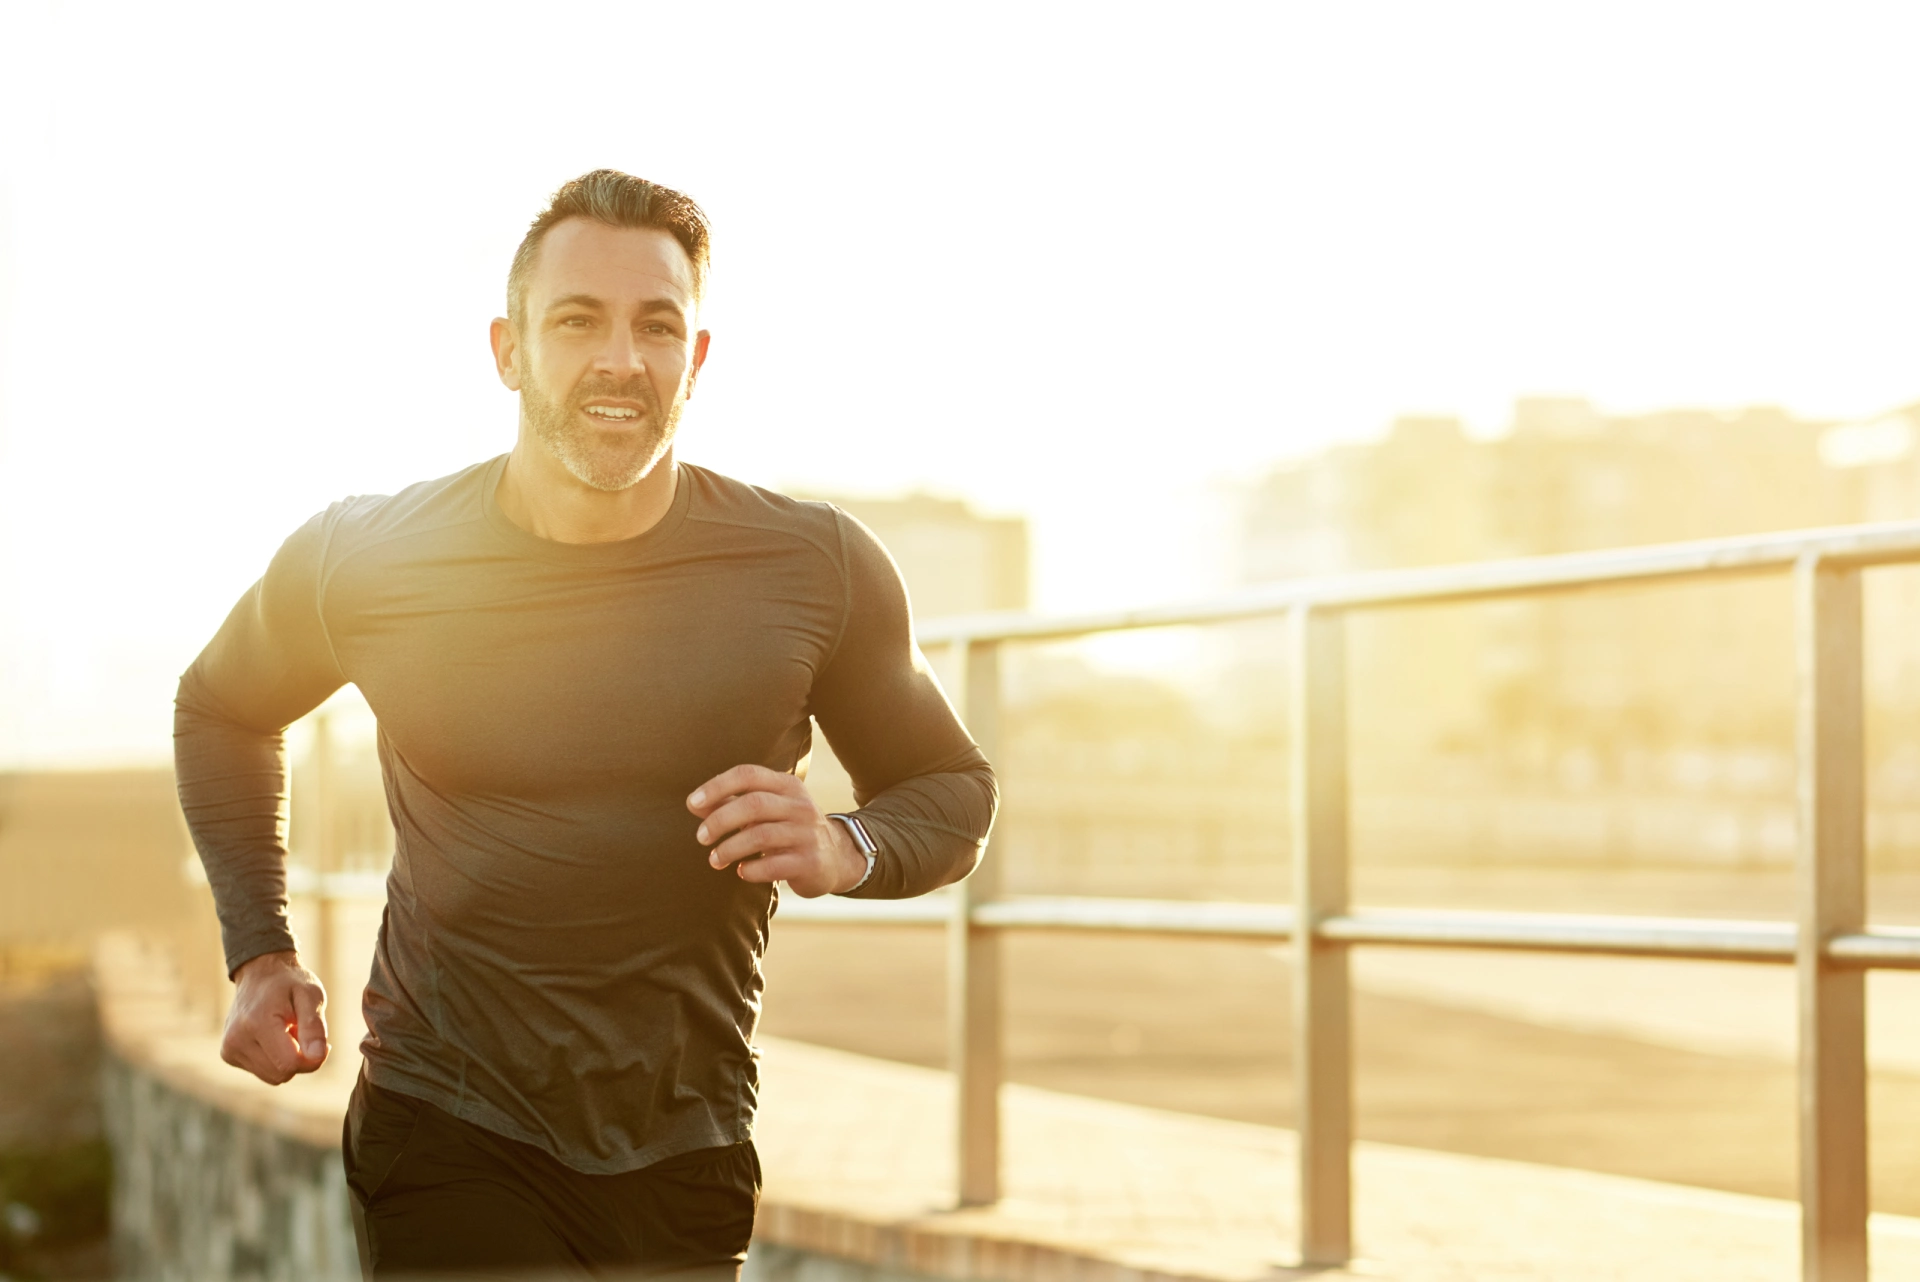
866, 1141
858, 1156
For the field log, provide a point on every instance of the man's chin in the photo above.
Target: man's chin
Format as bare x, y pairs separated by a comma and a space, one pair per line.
611, 473
599, 458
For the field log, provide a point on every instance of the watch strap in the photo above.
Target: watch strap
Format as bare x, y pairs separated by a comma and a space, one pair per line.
863, 843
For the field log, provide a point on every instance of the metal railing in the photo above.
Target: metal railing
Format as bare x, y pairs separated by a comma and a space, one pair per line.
1830, 944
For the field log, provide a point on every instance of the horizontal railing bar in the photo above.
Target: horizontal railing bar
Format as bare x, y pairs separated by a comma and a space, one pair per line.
1677, 937
351, 883
1882, 948
1151, 916
1071, 913
928, 910
1878, 544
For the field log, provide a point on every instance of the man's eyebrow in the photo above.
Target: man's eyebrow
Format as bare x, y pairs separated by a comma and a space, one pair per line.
652, 307
574, 300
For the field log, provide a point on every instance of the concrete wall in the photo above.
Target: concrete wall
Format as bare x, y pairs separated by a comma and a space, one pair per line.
203, 1194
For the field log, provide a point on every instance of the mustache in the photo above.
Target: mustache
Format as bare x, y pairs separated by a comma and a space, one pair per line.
619, 389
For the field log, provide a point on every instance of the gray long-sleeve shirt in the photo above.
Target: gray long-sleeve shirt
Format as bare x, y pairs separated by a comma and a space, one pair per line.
558, 962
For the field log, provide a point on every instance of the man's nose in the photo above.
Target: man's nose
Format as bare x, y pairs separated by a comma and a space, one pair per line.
620, 354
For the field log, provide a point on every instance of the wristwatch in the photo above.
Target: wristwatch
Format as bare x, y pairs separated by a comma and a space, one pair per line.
865, 844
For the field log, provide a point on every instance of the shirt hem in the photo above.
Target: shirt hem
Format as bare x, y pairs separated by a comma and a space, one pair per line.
478, 1113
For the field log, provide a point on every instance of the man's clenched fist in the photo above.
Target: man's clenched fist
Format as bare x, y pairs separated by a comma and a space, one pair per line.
275, 1028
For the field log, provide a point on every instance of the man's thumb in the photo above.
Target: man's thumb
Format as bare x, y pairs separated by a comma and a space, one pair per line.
310, 1029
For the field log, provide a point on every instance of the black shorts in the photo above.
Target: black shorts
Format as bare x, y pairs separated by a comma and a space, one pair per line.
434, 1195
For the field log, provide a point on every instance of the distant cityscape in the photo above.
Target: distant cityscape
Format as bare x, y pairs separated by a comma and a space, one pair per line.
1604, 676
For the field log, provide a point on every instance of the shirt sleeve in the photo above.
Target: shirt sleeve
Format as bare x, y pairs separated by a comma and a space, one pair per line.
927, 795
270, 664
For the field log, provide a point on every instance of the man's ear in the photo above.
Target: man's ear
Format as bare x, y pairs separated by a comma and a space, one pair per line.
700, 342
506, 351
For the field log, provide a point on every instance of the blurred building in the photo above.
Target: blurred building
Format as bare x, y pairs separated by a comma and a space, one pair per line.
954, 561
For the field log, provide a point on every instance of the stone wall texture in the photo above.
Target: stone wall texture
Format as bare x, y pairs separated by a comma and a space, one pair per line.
202, 1194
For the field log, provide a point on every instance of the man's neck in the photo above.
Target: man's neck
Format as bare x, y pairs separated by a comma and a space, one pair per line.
540, 496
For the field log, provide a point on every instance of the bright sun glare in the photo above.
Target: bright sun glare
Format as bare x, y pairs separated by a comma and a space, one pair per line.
1097, 265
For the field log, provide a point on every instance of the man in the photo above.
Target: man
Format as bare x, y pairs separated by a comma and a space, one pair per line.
594, 670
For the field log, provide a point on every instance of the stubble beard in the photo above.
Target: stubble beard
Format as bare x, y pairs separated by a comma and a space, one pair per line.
610, 461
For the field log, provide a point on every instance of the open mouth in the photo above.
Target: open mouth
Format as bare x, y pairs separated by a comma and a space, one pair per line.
612, 413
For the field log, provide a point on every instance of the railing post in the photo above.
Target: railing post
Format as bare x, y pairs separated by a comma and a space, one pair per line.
1322, 999
973, 965
1832, 895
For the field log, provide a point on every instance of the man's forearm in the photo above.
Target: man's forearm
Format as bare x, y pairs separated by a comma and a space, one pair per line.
931, 829
232, 783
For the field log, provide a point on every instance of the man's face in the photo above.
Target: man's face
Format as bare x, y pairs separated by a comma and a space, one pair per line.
605, 353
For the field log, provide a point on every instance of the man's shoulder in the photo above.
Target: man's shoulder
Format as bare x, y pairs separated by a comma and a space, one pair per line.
724, 500
362, 521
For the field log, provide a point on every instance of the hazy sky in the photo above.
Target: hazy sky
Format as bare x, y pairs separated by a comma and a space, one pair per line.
1086, 262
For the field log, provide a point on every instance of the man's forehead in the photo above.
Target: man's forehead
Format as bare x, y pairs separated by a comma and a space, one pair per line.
584, 256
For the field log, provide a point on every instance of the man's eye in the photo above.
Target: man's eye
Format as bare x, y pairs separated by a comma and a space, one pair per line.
576, 322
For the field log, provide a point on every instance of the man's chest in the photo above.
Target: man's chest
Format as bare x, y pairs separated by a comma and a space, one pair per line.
529, 683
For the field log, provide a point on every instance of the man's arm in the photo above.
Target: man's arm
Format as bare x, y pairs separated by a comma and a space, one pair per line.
269, 665
926, 794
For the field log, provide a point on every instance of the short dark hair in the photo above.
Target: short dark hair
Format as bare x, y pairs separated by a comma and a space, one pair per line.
618, 200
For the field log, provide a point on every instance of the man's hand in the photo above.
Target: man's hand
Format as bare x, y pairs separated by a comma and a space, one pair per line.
275, 1028
765, 825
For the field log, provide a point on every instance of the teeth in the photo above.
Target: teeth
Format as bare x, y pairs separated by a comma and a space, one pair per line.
612, 411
